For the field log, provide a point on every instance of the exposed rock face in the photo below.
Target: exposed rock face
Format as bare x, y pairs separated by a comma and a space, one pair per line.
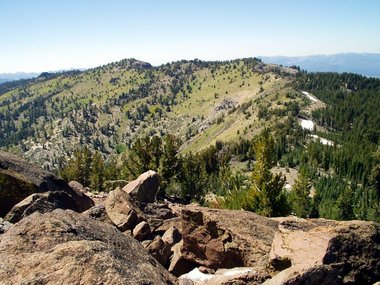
327, 252
294, 236
156, 214
122, 211
64, 247
19, 179
159, 211
226, 239
144, 188
167, 224
355, 252
280, 250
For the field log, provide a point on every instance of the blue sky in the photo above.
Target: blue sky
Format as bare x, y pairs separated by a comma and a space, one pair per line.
41, 35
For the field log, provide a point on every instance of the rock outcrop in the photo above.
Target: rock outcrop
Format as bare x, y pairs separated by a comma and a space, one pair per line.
279, 250
225, 239
197, 244
19, 179
64, 247
99, 213
326, 252
144, 188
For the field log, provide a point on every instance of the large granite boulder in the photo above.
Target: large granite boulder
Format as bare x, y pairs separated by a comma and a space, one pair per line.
40, 202
19, 179
64, 247
122, 210
144, 188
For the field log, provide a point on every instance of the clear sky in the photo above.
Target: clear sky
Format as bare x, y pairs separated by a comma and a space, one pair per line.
42, 35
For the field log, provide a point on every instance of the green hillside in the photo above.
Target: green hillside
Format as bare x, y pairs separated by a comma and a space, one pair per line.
106, 108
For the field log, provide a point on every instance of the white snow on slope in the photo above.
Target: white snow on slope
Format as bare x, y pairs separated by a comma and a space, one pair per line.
308, 95
307, 124
323, 140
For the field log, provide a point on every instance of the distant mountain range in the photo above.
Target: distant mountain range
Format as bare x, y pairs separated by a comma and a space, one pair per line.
367, 64
5, 77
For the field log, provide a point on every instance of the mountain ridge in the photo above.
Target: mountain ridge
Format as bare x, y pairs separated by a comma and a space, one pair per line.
367, 64
119, 100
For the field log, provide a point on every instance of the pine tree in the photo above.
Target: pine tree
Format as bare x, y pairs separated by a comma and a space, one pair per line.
97, 176
170, 162
345, 205
300, 195
267, 196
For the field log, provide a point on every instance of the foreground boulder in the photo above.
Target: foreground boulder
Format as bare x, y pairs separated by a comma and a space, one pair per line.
40, 202
64, 247
144, 188
19, 179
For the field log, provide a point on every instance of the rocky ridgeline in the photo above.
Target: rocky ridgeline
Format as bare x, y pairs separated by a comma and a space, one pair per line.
52, 233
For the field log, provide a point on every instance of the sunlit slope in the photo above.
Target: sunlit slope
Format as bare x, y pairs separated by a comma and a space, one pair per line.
107, 107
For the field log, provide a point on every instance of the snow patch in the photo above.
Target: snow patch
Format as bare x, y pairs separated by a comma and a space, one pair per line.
197, 276
220, 276
323, 140
307, 124
308, 95
236, 271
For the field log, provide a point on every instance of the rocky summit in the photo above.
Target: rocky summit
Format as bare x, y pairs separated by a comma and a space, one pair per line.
64, 247
53, 234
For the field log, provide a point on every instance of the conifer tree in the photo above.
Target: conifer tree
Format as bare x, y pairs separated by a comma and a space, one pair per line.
345, 205
300, 195
267, 196
97, 173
